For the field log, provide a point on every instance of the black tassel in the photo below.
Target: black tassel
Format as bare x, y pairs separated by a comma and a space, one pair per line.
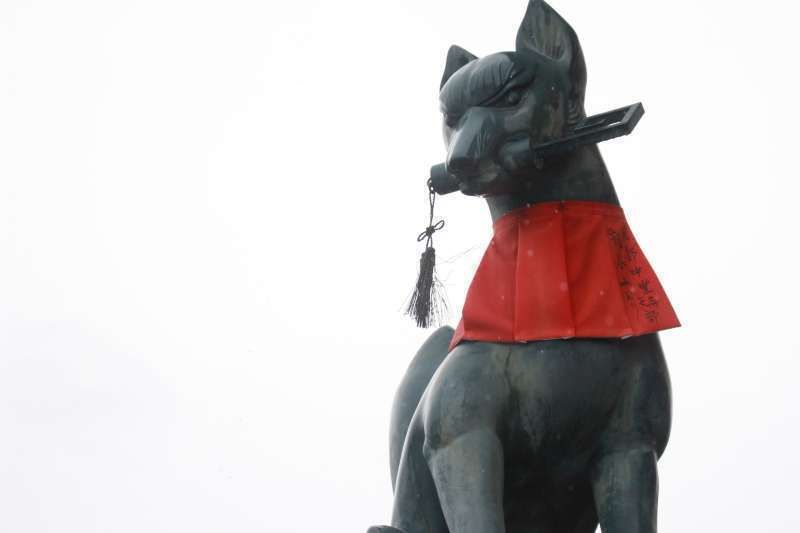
427, 305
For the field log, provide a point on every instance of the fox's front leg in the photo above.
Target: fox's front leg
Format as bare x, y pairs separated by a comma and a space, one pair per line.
625, 476
626, 491
468, 474
463, 407
416, 504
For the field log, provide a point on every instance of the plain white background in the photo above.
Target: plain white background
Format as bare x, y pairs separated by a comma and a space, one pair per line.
208, 214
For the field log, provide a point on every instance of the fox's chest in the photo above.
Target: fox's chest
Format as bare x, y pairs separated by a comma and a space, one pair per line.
563, 394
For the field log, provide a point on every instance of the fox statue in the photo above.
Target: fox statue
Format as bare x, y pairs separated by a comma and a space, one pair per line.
547, 409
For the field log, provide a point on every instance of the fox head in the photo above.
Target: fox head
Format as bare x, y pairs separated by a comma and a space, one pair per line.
533, 92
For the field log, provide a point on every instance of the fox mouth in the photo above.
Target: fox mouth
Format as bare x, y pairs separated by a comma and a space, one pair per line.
481, 182
474, 187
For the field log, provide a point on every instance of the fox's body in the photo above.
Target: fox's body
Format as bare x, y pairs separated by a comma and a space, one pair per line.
547, 436
528, 437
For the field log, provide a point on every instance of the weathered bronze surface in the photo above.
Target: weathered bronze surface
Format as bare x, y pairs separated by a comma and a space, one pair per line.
547, 436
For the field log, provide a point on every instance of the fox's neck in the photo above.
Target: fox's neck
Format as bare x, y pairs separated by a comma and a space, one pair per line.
580, 175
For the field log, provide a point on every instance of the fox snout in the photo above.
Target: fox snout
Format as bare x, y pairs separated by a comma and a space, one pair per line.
472, 143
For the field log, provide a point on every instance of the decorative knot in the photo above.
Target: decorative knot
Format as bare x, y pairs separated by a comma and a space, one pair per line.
430, 230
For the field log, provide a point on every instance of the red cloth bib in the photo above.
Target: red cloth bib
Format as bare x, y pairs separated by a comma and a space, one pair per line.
558, 270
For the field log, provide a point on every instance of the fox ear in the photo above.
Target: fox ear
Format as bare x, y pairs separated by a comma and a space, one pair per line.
544, 32
457, 57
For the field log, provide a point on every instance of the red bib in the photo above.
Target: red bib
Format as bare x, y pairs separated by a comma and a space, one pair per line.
558, 270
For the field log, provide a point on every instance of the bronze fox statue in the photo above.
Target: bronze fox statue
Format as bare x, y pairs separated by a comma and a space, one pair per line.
546, 436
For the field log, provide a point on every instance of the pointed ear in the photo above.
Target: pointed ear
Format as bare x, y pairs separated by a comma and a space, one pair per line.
457, 57
544, 32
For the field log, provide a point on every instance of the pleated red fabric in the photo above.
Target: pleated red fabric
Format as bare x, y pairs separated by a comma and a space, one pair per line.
557, 270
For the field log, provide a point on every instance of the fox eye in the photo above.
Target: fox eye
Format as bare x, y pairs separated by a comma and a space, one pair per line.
512, 98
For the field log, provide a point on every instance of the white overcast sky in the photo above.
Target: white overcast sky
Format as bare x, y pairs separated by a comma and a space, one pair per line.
208, 214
